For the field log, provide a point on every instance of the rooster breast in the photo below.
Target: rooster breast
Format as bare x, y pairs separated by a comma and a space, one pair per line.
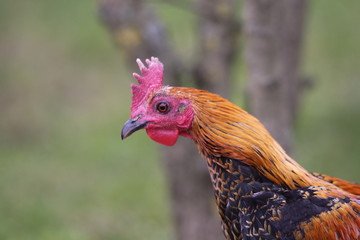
252, 207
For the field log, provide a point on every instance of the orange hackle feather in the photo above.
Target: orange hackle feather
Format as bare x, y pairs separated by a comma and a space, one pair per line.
343, 184
341, 223
220, 128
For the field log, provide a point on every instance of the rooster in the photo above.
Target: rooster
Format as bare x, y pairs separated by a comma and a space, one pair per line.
260, 191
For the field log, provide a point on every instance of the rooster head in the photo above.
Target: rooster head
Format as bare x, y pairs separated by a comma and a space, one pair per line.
155, 107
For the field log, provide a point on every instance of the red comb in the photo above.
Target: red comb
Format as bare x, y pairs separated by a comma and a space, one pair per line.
151, 78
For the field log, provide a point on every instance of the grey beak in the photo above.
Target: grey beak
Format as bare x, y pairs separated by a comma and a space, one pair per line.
131, 126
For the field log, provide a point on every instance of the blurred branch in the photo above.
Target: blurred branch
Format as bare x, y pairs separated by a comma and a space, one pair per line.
218, 34
273, 39
138, 33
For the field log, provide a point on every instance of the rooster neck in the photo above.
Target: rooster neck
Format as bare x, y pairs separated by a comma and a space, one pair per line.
223, 130
264, 156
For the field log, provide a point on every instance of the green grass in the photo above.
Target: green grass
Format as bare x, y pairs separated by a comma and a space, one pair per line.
64, 95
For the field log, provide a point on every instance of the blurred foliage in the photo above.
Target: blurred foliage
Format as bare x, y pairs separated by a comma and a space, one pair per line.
64, 95
329, 121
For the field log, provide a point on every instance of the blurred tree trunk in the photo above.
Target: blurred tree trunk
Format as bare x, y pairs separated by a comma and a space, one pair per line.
273, 37
138, 34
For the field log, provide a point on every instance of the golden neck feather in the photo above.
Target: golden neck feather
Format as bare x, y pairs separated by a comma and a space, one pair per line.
222, 129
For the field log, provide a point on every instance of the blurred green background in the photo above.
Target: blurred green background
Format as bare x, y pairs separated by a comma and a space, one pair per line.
64, 95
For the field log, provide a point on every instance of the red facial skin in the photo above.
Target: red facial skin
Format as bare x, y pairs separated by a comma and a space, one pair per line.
165, 127
162, 127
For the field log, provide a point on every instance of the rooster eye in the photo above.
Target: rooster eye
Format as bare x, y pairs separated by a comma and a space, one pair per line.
162, 107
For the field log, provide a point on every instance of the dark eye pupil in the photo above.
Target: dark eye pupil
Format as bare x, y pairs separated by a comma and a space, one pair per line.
162, 107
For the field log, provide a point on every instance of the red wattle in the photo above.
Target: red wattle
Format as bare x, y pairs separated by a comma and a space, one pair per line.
167, 137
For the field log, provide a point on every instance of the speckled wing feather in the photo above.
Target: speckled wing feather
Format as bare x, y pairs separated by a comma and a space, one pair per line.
252, 207
345, 185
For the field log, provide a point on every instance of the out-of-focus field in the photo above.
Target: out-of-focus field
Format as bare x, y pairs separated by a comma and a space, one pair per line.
64, 95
